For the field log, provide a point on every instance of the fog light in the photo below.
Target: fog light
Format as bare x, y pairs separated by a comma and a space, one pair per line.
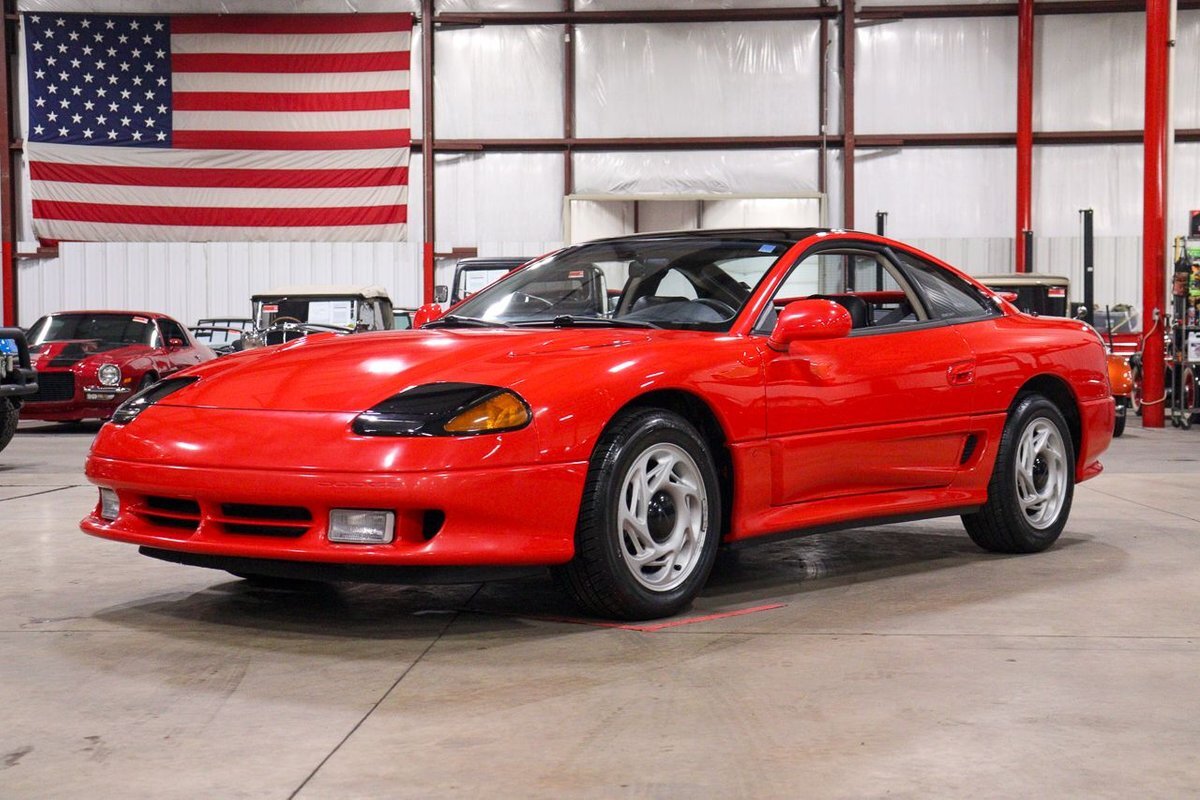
110, 506
361, 526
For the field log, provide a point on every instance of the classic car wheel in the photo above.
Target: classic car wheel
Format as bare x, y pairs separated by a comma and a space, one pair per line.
1033, 482
9, 414
648, 525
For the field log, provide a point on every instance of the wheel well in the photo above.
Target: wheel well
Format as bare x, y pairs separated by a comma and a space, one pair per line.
1057, 391
698, 412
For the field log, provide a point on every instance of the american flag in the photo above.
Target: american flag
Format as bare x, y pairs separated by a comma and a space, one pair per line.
218, 128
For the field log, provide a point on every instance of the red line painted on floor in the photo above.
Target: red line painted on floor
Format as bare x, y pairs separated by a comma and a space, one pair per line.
657, 626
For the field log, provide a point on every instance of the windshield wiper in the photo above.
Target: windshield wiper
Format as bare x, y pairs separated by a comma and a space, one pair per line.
454, 320
569, 321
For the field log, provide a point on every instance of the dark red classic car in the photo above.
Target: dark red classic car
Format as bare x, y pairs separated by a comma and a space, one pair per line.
89, 362
743, 384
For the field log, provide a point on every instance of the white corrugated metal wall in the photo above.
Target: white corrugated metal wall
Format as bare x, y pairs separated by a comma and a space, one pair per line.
920, 75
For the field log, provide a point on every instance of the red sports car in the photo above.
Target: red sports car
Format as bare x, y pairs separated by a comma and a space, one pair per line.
89, 362
745, 384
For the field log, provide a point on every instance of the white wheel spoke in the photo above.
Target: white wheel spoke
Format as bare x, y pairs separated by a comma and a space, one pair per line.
1041, 473
661, 516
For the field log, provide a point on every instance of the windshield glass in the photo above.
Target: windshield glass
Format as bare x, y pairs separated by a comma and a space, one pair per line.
339, 311
697, 283
110, 330
1117, 320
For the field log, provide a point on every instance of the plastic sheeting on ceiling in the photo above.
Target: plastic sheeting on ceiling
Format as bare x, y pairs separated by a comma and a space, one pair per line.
697, 172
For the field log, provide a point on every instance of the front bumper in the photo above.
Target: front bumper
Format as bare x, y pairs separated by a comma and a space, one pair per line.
71, 410
494, 517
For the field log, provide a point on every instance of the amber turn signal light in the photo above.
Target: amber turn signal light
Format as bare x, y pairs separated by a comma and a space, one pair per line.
502, 412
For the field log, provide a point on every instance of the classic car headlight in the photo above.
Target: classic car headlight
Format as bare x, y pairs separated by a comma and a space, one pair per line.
135, 405
109, 375
445, 409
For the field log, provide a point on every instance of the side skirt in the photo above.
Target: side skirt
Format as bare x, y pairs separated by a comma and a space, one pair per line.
866, 522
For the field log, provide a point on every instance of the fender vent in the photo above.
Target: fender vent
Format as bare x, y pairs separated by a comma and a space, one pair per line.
968, 449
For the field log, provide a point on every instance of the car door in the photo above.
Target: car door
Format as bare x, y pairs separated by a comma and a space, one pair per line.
886, 408
178, 356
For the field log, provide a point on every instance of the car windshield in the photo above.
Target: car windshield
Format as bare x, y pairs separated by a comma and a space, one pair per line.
694, 282
109, 330
1117, 321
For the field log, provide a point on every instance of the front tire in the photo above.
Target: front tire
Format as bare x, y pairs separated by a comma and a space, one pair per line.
9, 415
1033, 482
649, 521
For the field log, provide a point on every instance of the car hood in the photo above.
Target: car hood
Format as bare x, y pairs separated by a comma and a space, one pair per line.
327, 373
69, 352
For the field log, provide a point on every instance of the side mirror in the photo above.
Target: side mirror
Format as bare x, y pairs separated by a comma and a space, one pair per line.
807, 320
1011, 297
175, 344
441, 294
427, 313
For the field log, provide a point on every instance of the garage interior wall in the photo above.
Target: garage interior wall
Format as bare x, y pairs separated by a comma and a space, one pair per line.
697, 79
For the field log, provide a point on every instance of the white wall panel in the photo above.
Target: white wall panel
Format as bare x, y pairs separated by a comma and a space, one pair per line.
961, 192
697, 172
937, 76
499, 82
1187, 70
1185, 186
639, 5
1089, 72
1105, 178
504, 203
697, 79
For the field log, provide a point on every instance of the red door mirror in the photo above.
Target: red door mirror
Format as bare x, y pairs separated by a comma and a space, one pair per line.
427, 313
175, 344
806, 320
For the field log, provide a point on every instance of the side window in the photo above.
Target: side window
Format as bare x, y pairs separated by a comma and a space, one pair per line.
865, 283
949, 296
171, 330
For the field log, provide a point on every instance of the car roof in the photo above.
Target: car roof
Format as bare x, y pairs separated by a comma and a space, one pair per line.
318, 290
791, 235
151, 314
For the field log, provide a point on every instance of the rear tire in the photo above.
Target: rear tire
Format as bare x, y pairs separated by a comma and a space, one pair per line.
1033, 482
9, 415
649, 522
1119, 425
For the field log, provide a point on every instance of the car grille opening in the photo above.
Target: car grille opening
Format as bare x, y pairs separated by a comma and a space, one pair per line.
172, 512
431, 523
264, 520
54, 387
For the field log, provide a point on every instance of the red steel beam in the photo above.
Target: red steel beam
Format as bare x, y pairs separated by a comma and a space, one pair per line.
427, 156
848, 143
1024, 129
1154, 230
8, 272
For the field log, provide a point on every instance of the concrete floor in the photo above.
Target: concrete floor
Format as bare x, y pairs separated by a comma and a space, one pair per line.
900, 661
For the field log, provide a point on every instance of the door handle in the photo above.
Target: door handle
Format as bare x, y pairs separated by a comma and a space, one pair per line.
961, 373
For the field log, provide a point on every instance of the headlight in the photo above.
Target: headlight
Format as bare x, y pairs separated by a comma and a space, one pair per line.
445, 409
148, 397
109, 375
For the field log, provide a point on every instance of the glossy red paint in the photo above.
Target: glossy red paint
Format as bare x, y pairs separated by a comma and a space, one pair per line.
806, 320
825, 432
71, 387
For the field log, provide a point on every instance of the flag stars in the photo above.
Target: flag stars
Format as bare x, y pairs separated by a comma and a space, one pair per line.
75, 62
73, 36
112, 79
124, 66
161, 81
137, 80
137, 108
38, 130
100, 65
60, 22
63, 132
101, 120
51, 61
41, 101
52, 89
136, 53
39, 74
76, 90
101, 92
161, 136
109, 24
158, 26
149, 122
77, 118
136, 136
85, 23
147, 39
62, 48
62, 76
49, 33
160, 53
162, 109
99, 37
64, 103
149, 67
88, 78
87, 132
149, 94
134, 25
37, 46
112, 52
124, 121
113, 107
88, 105
52, 116
112, 134
122, 38
87, 50
125, 94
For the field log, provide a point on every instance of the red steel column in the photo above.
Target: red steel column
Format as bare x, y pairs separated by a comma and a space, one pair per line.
427, 159
8, 212
1024, 128
1154, 231
848, 41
